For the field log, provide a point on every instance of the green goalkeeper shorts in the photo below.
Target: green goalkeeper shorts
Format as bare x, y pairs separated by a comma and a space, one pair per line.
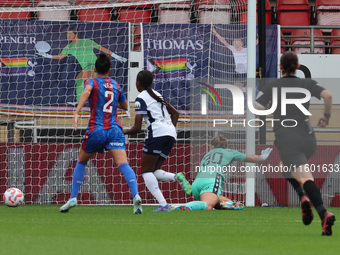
202, 185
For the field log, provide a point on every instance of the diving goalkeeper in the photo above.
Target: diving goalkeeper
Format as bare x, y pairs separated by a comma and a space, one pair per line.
207, 186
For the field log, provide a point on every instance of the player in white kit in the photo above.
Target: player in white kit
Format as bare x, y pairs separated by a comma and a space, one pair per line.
160, 118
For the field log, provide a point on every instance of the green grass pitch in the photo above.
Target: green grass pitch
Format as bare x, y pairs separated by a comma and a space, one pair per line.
33, 229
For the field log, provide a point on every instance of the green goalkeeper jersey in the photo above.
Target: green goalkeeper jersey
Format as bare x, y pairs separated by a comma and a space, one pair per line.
83, 52
216, 161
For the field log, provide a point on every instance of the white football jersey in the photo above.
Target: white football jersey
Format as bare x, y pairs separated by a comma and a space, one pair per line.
155, 115
240, 58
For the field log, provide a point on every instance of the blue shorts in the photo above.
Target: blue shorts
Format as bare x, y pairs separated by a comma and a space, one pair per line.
98, 140
159, 146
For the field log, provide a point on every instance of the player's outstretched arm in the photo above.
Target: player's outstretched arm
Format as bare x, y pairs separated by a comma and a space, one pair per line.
46, 55
112, 54
82, 100
327, 97
219, 37
136, 127
258, 158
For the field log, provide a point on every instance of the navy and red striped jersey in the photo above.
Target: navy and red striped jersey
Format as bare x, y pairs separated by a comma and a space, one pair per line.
103, 100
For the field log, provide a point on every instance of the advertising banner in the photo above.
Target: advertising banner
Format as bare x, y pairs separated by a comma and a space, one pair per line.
44, 64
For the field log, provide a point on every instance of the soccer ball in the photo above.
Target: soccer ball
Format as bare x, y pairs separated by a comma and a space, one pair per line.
13, 197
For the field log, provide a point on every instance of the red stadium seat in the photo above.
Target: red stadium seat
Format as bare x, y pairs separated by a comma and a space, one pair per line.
306, 41
134, 14
336, 50
53, 15
242, 6
335, 41
15, 15
327, 13
292, 12
214, 11
98, 14
335, 32
174, 12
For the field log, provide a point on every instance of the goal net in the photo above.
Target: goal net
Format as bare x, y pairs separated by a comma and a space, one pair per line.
48, 49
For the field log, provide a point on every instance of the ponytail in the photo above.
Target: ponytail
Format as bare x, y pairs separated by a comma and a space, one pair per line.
154, 96
145, 79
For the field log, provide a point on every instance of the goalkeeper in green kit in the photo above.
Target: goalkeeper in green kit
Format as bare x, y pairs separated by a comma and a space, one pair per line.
82, 50
206, 188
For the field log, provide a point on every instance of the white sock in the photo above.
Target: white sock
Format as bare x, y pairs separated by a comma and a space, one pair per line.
161, 175
152, 185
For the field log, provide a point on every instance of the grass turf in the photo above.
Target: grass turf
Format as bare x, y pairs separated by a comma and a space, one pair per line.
34, 229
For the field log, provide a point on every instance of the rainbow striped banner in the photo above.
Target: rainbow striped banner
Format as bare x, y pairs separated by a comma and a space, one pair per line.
168, 67
14, 65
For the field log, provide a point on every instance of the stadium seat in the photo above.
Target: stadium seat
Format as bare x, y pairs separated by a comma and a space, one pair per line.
327, 13
98, 14
174, 12
53, 15
15, 15
292, 12
134, 14
335, 41
304, 40
214, 11
242, 6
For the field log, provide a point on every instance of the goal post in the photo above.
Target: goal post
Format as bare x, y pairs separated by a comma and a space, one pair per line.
251, 83
188, 45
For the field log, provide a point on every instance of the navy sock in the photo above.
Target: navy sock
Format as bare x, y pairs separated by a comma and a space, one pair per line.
314, 195
130, 177
296, 185
78, 177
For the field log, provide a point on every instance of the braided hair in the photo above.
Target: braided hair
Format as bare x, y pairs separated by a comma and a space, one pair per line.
145, 79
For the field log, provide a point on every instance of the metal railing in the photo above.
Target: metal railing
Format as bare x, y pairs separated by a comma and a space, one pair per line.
312, 37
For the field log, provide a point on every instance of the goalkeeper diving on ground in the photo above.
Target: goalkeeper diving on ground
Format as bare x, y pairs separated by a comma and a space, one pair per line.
207, 186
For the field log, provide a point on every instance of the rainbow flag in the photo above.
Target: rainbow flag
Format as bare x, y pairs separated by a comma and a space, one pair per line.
14, 65
168, 67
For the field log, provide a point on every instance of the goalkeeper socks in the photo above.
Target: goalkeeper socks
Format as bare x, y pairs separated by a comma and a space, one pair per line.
78, 177
314, 195
196, 205
79, 88
296, 185
152, 185
161, 175
130, 177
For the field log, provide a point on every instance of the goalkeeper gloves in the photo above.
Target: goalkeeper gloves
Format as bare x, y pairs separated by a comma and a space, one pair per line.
119, 58
265, 153
44, 54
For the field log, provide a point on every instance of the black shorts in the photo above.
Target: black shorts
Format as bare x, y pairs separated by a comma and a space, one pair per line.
295, 145
159, 146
